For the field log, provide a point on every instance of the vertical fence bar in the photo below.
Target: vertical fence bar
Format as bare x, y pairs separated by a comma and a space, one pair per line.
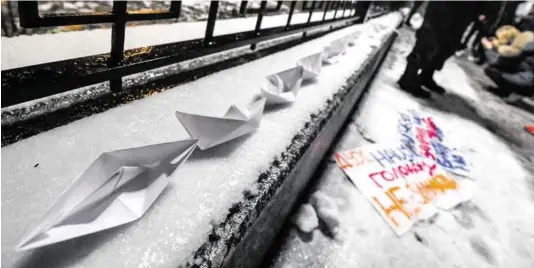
258, 21
311, 12
176, 8
117, 41
243, 8
357, 7
309, 17
326, 9
335, 12
291, 10
278, 5
28, 13
212, 16
344, 8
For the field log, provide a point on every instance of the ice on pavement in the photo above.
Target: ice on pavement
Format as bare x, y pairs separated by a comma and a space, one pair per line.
494, 229
201, 193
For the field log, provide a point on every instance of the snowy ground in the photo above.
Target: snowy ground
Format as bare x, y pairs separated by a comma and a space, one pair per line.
36, 170
494, 229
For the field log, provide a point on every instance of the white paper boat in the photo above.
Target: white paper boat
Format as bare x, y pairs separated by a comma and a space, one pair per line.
117, 188
284, 86
333, 51
311, 66
212, 131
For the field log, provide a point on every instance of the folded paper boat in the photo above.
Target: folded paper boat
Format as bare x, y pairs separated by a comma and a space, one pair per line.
311, 66
283, 87
117, 188
212, 131
349, 40
335, 49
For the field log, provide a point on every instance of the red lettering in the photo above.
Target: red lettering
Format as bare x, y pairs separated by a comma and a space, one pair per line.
431, 126
432, 169
342, 162
372, 175
405, 170
351, 159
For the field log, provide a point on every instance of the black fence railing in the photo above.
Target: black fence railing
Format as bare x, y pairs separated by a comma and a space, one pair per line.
37, 81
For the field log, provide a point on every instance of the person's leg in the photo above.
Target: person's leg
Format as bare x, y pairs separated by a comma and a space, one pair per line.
410, 80
502, 89
471, 30
436, 63
427, 80
478, 52
521, 83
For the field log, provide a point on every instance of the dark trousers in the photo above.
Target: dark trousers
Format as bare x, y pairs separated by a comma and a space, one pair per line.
438, 38
478, 30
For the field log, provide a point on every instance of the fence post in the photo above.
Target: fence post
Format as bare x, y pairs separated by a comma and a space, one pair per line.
291, 10
326, 9
243, 8
278, 5
214, 7
117, 41
176, 8
309, 17
258, 22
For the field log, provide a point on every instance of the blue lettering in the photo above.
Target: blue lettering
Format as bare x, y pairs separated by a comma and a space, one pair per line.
381, 158
392, 154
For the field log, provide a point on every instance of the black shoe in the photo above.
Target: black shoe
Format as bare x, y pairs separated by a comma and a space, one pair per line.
413, 88
430, 84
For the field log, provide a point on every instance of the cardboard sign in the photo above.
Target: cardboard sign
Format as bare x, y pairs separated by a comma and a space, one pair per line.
425, 139
401, 186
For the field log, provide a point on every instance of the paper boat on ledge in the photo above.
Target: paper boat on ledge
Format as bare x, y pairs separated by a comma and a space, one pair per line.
117, 188
333, 51
283, 87
212, 131
349, 40
311, 65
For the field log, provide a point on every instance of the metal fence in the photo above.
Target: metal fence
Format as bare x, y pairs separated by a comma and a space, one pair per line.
37, 81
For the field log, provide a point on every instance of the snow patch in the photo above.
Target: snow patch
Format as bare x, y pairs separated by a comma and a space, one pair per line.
306, 218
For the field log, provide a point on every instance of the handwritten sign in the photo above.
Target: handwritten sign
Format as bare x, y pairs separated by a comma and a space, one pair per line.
425, 139
402, 186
